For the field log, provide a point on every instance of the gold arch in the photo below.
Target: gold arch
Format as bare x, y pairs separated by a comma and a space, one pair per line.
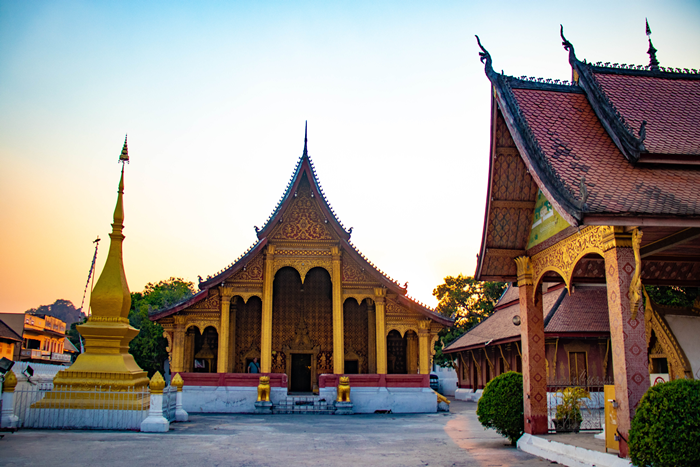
563, 257
302, 265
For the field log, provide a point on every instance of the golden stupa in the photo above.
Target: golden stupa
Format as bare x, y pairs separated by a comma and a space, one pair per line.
106, 365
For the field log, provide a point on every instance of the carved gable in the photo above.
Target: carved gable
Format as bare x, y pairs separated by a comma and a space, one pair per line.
303, 219
253, 271
352, 272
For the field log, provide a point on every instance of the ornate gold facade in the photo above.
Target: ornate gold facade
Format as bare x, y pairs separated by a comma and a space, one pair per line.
302, 299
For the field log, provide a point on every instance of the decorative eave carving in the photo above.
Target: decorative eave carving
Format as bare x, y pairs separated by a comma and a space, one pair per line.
656, 322
547, 179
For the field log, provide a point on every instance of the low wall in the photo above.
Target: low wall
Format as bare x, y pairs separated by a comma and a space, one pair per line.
447, 380
277, 380
468, 395
371, 393
228, 392
382, 381
237, 392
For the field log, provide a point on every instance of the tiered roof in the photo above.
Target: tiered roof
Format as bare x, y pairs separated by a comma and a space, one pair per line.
619, 145
304, 169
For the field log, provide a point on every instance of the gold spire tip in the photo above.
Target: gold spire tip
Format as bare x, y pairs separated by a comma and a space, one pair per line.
124, 156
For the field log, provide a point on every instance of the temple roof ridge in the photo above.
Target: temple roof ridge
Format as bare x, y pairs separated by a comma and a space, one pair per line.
503, 86
294, 181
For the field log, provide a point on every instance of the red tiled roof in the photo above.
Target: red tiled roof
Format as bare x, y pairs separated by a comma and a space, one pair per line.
500, 325
510, 295
576, 145
585, 310
671, 108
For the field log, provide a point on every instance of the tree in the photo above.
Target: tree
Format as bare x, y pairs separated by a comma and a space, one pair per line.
149, 346
61, 309
468, 302
674, 295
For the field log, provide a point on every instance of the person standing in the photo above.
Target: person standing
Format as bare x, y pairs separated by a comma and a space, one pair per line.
254, 367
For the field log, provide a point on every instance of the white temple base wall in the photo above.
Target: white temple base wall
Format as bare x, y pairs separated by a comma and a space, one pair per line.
398, 400
83, 419
225, 399
468, 395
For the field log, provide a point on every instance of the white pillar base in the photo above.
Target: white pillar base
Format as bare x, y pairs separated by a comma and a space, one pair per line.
180, 414
155, 422
9, 419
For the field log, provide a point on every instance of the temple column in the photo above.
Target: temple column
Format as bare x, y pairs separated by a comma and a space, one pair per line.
230, 367
371, 339
379, 300
178, 360
423, 345
532, 338
338, 344
627, 327
226, 293
412, 351
266, 325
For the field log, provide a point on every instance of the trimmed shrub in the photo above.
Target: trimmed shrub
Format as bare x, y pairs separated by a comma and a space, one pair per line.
501, 406
666, 428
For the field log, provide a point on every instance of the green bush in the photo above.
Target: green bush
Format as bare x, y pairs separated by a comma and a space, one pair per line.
501, 406
666, 428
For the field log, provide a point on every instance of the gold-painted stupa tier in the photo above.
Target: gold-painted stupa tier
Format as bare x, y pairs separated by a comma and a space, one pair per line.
106, 364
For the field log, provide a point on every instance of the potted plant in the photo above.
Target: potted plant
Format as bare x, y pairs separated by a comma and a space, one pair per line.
568, 417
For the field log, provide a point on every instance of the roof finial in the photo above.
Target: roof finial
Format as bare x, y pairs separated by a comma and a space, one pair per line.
653, 62
568, 46
306, 127
124, 156
485, 58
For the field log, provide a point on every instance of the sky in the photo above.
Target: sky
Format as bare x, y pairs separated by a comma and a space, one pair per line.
214, 96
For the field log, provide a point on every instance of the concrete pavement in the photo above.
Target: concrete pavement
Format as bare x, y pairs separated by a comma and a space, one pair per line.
443, 439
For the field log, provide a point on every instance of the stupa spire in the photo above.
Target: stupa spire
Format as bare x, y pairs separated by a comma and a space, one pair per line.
111, 296
306, 126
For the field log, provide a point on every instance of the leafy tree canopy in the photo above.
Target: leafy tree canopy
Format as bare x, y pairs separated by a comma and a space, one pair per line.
149, 347
673, 295
61, 309
468, 302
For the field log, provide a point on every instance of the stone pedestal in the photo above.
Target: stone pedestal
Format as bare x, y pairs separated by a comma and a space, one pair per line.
343, 408
9, 419
180, 414
156, 422
263, 407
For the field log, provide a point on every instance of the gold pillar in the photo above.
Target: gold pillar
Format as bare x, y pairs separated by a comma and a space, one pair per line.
266, 327
189, 352
178, 352
338, 347
371, 339
230, 368
226, 294
379, 300
423, 344
412, 353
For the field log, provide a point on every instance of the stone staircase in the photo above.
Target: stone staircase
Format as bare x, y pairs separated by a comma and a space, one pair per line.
306, 405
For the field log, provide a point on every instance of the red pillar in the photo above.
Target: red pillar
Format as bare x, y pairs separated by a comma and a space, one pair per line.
532, 338
627, 335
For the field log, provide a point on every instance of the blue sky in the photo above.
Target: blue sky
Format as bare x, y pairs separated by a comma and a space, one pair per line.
214, 96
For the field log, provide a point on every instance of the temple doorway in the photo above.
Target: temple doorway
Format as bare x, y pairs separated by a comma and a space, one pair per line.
301, 373
302, 327
205, 348
396, 353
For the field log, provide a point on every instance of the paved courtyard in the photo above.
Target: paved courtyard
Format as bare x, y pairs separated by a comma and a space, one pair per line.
454, 439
